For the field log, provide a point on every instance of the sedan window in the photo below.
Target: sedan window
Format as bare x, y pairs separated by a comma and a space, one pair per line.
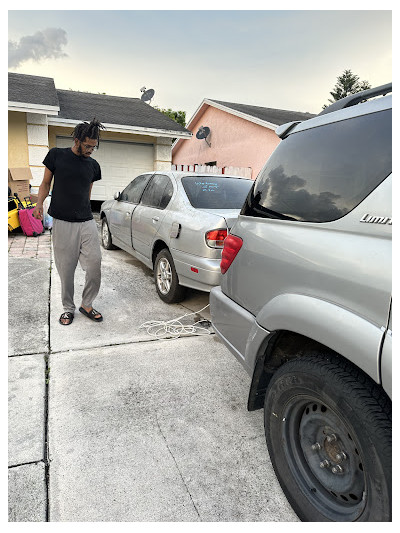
134, 190
159, 192
216, 192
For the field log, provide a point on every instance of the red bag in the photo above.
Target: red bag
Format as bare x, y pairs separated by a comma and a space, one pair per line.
31, 226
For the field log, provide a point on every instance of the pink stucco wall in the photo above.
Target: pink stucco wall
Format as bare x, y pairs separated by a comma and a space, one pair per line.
234, 142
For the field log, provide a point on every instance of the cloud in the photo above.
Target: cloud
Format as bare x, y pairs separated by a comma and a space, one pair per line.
42, 45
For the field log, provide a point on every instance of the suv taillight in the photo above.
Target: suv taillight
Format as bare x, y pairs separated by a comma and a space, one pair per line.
232, 245
215, 238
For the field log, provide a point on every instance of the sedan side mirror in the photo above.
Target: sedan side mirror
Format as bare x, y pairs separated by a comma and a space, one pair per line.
117, 195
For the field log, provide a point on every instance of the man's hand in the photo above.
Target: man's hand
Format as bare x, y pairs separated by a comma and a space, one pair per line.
38, 212
43, 193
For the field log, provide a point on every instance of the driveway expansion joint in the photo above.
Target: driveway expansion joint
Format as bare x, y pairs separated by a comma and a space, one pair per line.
46, 402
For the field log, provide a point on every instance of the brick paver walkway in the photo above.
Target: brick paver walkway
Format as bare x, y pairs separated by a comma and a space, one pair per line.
29, 247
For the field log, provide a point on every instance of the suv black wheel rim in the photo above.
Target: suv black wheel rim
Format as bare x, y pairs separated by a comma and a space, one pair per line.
324, 459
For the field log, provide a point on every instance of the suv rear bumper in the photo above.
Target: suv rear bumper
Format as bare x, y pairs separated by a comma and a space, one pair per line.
233, 325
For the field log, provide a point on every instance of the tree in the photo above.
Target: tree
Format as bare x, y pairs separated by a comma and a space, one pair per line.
178, 116
347, 83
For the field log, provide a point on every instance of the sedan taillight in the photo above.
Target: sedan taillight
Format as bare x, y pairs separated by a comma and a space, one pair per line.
232, 245
215, 238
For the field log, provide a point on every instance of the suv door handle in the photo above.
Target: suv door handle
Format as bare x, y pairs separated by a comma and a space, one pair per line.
156, 219
128, 213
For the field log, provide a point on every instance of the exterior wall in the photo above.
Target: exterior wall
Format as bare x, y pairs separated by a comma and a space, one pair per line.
18, 155
163, 154
38, 146
30, 138
235, 142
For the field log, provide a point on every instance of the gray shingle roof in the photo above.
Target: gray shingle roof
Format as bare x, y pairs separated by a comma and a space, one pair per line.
75, 105
113, 110
31, 89
275, 116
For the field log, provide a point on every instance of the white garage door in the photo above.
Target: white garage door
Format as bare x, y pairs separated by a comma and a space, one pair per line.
120, 162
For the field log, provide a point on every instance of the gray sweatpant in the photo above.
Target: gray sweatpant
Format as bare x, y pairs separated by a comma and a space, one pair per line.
73, 242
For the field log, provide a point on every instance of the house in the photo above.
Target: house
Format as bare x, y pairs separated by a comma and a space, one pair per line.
240, 136
138, 138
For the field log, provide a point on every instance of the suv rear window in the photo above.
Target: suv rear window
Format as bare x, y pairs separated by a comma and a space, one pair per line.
320, 174
208, 192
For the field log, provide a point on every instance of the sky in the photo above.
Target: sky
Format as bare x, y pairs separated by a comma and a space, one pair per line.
284, 59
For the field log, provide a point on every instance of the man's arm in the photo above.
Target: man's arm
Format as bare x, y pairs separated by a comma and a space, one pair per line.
44, 190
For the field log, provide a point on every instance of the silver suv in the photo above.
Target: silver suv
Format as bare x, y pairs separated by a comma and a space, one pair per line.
305, 306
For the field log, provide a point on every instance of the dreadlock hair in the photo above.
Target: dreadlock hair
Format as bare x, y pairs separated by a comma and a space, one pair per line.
90, 130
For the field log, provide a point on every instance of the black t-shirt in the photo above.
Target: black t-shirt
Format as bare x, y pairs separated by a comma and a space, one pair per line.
73, 175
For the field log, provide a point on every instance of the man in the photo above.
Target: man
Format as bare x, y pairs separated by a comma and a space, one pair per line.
74, 232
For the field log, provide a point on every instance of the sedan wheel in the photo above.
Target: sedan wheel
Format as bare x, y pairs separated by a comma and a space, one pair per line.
166, 279
164, 276
106, 239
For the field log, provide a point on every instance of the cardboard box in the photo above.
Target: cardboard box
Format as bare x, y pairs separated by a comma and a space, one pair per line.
18, 181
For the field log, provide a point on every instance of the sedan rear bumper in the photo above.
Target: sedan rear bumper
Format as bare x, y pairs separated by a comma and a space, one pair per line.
197, 272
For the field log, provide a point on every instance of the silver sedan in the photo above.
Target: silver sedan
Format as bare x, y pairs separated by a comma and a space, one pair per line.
175, 223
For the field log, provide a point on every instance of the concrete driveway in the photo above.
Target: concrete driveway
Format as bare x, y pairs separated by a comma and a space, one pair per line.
107, 423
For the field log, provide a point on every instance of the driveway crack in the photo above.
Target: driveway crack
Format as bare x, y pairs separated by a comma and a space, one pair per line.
125, 343
177, 466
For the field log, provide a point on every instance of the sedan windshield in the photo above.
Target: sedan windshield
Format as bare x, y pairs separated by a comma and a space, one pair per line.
209, 192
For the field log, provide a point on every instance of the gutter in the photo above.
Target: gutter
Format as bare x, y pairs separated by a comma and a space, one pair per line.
33, 108
249, 118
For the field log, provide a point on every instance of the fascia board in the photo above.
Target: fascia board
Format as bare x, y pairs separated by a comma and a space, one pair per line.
33, 108
245, 116
122, 128
196, 115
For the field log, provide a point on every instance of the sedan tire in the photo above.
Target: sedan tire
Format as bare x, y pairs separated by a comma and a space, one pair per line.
106, 239
166, 279
328, 431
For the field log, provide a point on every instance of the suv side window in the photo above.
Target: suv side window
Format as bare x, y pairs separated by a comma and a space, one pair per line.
134, 190
159, 192
319, 176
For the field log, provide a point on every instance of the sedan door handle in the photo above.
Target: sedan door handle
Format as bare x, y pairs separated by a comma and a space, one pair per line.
156, 219
128, 213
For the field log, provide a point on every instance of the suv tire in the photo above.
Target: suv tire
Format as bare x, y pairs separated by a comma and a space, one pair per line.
166, 278
328, 431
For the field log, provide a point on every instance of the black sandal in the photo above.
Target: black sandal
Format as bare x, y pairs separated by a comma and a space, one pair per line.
66, 316
91, 314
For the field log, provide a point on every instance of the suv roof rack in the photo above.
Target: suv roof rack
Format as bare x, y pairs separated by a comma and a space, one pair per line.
356, 98
283, 130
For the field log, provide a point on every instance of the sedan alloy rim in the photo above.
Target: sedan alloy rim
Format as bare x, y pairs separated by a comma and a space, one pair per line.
164, 276
104, 233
